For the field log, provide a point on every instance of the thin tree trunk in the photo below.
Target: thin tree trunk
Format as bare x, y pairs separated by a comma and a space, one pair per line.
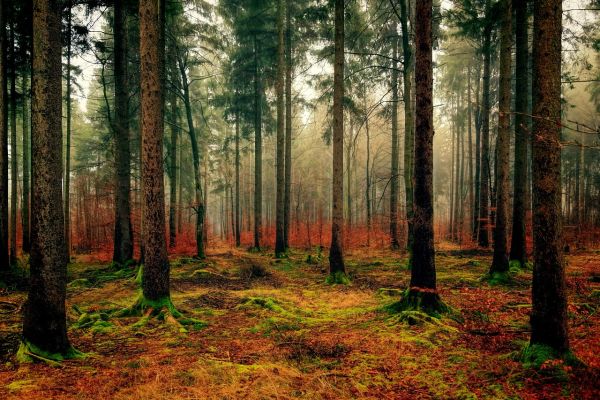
173, 148
452, 173
288, 124
336, 252
477, 183
549, 313
155, 278
409, 131
500, 259
44, 320
518, 249
470, 156
123, 238
484, 217
237, 180
394, 183
26, 160
257, 150
4, 254
14, 173
280, 167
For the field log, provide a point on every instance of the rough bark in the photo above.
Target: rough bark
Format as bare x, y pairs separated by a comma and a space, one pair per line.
423, 276
123, 238
155, 277
14, 172
26, 167
257, 149
280, 162
500, 258
237, 181
518, 250
549, 313
44, 320
470, 178
336, 252
174, 128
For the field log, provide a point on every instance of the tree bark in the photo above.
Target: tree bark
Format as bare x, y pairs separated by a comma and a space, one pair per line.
174, 112
500, 258
26, 160
549, 313
394, 179
123, 238
257, 149
44, 320
237, 181
484, 217
288, 124
155, 278
14, 173
518, 249
4, 254
280, 162
336, 251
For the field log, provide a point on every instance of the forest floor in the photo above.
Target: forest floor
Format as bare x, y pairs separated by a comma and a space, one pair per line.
275, 330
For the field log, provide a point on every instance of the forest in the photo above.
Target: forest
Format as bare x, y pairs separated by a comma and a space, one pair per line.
312, 199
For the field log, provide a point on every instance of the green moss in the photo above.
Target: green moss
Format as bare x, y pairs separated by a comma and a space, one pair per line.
537, 356
263, 302
95, 322
428, 302
28, 353
139, 275
337, 278
79, 283
23, 384
390, 292
499, 278
514, 266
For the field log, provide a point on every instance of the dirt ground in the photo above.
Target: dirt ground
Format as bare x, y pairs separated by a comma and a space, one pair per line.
275, 330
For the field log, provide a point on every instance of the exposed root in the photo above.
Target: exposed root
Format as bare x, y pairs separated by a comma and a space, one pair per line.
29, 353
540, 356
161, 309
337, 278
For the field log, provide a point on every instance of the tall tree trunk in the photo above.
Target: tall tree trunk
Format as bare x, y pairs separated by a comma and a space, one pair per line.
26, 160
500, 259
123, 237
288, 124
44, 320
477, 183
155, 277
4, 254
336, 251
461, 177
173, 148
237, 180
549, 313
518, 249
14, 173
368, 171
422, 290
199, 196
409, 123
484, 217
280, 183
452, 172
349, 176
394, 179
470, 155
257, 149
67, 182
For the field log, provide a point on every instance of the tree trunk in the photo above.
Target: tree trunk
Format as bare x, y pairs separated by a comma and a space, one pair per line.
452, 173
336, 252
199, 196
484, 217
155, 278
500, 259
44, 320
477, 183
409, 130
237, 180
26, 160
257, 150
394, 179
14, 173
123, 238
173, 148
549, 313
288, 125
280, 167
470, 156
518, 249
4, 255
423, 276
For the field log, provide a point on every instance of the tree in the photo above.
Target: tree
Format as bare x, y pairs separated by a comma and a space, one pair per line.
155, 277
280, 245
123, 237
288, 123
14, 172
549, 328
518, 249
44, 321
422, 293
394, 239
4, 255
500, 260
336, 251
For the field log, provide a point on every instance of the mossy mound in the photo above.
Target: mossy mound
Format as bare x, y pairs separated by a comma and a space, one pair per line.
162, 310
96, 322
419, 299
29, 353
390, 292
548, 359
337, 278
